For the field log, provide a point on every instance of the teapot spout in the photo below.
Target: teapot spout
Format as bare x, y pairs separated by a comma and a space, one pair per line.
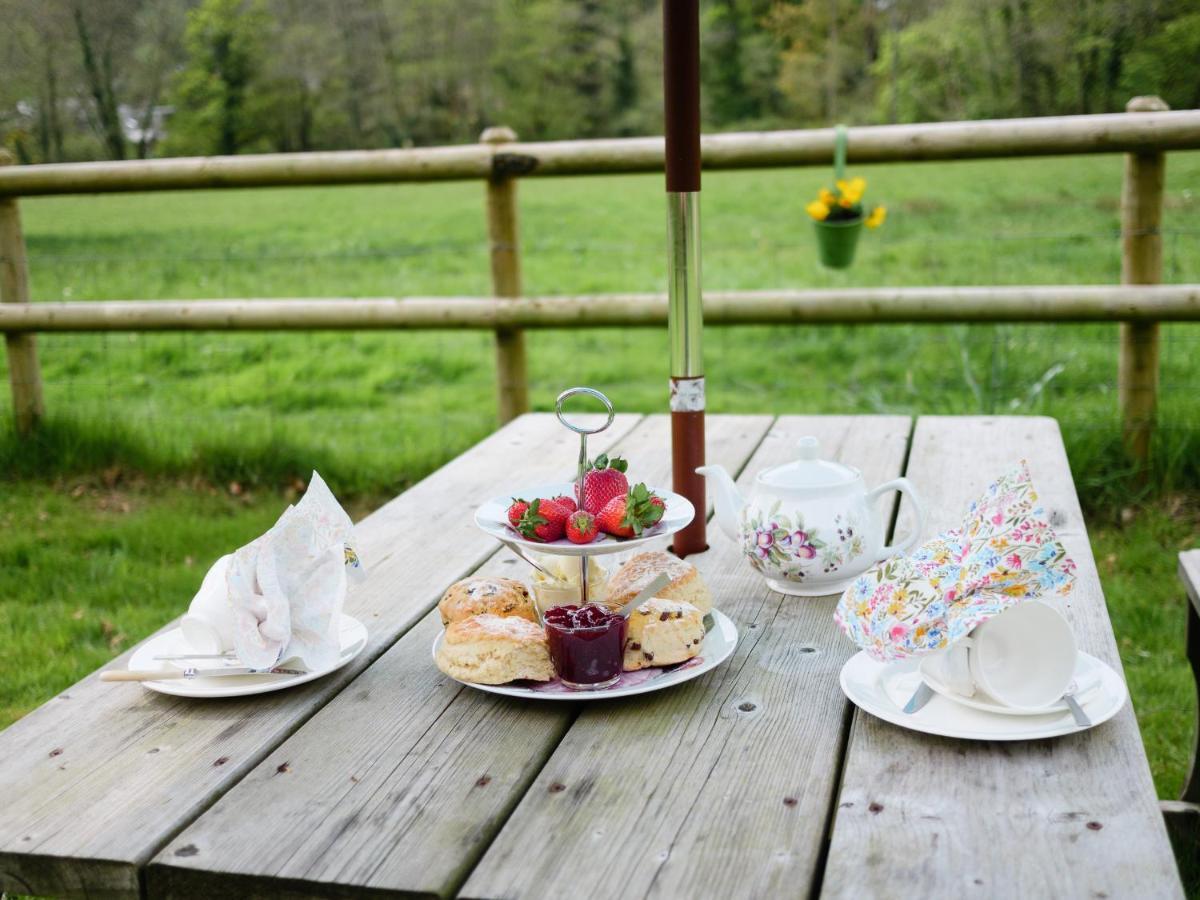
727, 500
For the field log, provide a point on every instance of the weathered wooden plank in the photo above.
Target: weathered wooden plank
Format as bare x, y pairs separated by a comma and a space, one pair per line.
99, 779
1072, 817
399, 783
718, 788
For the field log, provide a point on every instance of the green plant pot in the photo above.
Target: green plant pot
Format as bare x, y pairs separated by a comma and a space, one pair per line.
837, 241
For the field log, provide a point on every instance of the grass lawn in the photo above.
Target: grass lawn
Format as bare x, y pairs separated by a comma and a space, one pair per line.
162, 451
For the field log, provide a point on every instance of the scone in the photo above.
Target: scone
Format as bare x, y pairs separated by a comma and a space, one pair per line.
490, 649
486, 594
662, 632
638, 571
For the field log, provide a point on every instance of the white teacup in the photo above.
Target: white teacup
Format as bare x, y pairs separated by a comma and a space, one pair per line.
1024, 658
208, 625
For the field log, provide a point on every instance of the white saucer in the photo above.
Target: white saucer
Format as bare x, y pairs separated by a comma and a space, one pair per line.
1088, 675
882, 689
492, 517
352, 633
718, 646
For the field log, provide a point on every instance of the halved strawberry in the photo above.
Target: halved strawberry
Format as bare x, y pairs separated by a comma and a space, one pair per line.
543, 521
582, 527
516, 511
604, 479
631, 514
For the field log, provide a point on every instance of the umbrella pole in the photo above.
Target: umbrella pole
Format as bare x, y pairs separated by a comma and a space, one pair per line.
681, 92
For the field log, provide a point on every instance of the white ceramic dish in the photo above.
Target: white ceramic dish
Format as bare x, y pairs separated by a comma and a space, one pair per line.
882, 690
718, 646
352, 633
492, 517
1087, 677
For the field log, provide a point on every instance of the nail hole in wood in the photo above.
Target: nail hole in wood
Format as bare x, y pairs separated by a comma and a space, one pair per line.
557, 787
483, 781
790, 801
876, 808
187, 850
747, 706
221, 760
283, 767
1094, 826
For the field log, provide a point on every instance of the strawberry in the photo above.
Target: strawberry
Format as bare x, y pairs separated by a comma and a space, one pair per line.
582, 527
565, 502
603, 480
516, 511
543, 521
629, 515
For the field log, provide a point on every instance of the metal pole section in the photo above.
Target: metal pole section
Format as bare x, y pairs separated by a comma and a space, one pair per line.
681, 94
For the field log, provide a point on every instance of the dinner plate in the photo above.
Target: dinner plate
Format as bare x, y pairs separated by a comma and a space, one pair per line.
492, 517
882, 689
351, 632
718, 645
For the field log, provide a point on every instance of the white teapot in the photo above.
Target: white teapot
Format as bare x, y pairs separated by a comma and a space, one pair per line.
811, 526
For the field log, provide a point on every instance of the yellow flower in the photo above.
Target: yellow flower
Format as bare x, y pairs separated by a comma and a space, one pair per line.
875, 219
827, 197
818, 210
852, 190
846, 203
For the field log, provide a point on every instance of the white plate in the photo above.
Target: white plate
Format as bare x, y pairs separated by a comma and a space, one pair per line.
492, 517
353, 638
718, 645
882, 689
1088, 675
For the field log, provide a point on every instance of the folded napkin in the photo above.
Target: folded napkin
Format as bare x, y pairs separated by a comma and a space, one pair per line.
287, 587
1004, 553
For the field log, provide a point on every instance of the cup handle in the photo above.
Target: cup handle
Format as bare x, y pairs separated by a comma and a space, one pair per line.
904, 486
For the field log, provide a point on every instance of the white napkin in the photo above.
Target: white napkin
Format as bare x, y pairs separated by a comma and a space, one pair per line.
287, 587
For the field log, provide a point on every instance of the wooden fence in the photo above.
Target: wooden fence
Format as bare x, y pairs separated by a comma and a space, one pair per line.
500, 160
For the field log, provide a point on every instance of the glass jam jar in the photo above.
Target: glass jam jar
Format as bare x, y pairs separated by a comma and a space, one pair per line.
587, 645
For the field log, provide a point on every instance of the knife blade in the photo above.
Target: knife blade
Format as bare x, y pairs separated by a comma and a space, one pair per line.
1081, 718
920, 697
192, 672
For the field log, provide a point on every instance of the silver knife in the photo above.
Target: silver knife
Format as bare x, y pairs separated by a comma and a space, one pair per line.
192, 672
1081, 718
920, 697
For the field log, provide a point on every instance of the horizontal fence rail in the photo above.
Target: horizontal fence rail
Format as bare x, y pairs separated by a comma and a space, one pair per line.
1049, 136
1043, 303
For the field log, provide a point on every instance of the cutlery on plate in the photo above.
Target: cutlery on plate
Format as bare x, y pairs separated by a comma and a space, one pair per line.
920, 697
192, 672
645, 594
1081, 718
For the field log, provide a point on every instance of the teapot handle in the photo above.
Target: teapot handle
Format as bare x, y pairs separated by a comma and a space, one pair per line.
904, 486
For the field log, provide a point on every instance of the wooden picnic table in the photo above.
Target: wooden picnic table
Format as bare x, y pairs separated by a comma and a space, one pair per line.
758, 779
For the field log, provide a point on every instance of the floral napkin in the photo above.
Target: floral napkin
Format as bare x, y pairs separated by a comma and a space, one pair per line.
287, 587
1004, 553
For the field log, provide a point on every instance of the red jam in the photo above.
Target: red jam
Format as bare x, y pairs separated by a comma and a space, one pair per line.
586, 644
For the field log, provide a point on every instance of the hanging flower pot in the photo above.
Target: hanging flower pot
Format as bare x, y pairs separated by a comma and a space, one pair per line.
839, 215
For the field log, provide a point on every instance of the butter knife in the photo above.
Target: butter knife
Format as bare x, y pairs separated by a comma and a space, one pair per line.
920, 697
192, 672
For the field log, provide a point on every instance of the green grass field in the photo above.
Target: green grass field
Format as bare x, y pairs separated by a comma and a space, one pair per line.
162, 451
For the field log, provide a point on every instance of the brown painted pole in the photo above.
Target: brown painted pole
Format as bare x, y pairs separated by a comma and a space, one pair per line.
681, 95
512, 385
1141, 263
23, 372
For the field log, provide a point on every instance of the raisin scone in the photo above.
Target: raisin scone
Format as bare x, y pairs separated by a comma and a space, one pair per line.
662, 632
486, 594
639, 570
489, 649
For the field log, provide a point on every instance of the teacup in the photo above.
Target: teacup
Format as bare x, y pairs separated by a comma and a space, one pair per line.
1024, 658
208, 626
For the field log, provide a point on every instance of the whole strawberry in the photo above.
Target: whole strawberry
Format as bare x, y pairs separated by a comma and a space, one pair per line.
516, 511
582, 527
604, 480
631, 514
566, 502
543, 521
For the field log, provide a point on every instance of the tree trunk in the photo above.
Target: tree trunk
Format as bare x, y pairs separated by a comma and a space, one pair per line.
100, 86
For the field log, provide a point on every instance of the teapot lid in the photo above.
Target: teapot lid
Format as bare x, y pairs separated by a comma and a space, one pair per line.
809, 471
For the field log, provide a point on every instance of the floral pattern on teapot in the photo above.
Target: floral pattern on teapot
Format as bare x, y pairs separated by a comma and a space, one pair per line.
776, 543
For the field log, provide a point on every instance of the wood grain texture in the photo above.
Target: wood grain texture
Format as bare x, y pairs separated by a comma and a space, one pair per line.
932, 817
1185, 821
99, 779
720, 787
399, 784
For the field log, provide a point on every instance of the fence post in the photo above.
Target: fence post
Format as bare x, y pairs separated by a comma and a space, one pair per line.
512, 387
23, 371
1141, 263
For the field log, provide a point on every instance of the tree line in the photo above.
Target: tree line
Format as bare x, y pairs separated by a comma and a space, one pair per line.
111, 79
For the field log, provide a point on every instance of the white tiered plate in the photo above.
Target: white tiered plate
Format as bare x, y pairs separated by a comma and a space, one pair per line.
492, 517
351, 633
882, 689
718, 646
